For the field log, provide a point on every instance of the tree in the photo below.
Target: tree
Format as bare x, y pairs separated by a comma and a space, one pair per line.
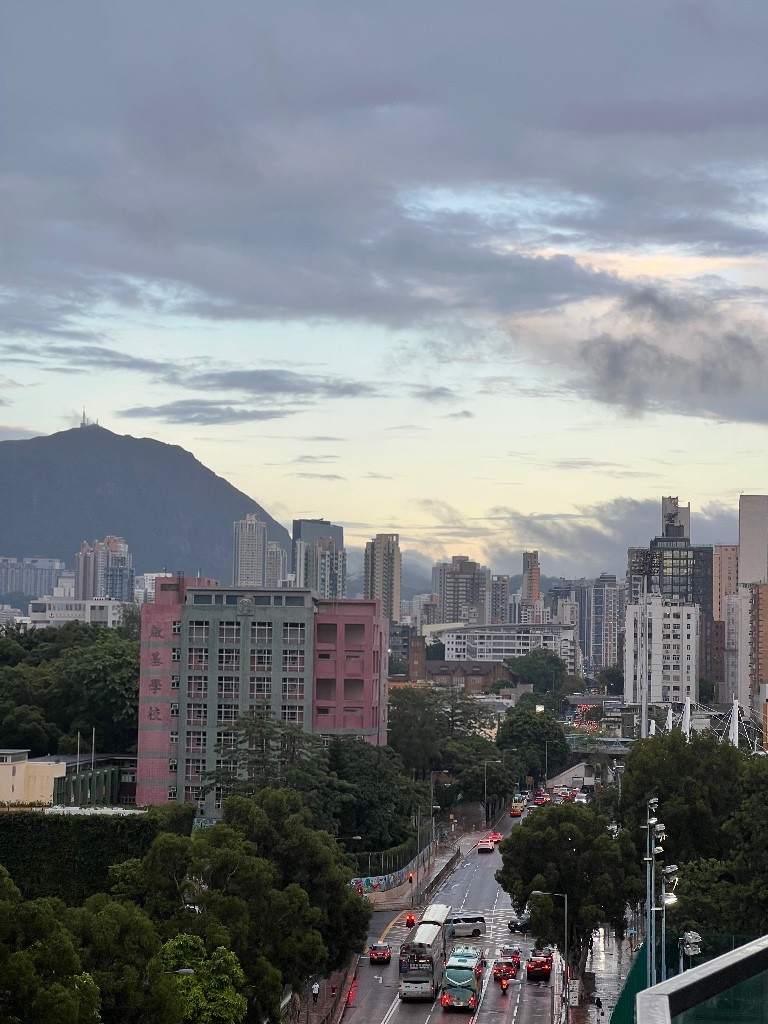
537, 738
570, 849
542, 669
612, 680
435, 651
211, 994
414, 731
23, 727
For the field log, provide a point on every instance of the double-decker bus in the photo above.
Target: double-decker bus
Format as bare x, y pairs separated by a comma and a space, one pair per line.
438, 913
463, 979
422, 961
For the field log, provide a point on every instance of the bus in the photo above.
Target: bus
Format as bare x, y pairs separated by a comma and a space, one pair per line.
518, 805
422, 960
463, 979
438, 913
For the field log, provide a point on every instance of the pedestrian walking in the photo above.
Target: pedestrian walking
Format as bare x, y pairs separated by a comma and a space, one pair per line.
315, 991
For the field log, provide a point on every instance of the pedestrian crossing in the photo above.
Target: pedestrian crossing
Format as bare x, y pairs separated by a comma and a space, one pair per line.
497, 934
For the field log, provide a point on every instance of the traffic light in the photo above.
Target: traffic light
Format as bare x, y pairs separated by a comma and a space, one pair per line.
410, 877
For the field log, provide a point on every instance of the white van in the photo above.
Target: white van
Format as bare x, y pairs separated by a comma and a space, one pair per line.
465, 925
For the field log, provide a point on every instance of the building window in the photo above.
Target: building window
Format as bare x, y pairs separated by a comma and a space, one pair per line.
175, 682
229, 632
228, 688
261, 658
173, 764
218, 797
196, 741
226, 740
175, 654
176, 627
174, 710
173, 737
323, 711
171, 792
229, 658
260, 688
292, 713
293, 689
224, 765
197, 659
193, 769
192, 794
198, 632
227, 714
261, 633
293, 661
294, 633
197, 714
197, 686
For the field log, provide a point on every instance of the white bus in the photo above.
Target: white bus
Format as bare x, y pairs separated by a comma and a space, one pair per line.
422, 961
438, 913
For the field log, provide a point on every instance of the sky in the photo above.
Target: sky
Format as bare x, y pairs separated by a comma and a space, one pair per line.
491, 276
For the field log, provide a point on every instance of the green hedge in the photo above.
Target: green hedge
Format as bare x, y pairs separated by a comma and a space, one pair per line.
68, 855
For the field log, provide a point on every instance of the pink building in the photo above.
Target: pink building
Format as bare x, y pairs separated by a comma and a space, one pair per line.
210, 654
350, 670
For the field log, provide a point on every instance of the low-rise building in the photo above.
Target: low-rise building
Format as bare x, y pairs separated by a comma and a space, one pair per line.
58, 611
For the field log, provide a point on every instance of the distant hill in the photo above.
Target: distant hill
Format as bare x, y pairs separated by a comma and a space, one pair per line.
86, 483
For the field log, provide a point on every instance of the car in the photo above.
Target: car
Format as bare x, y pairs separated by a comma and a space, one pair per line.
485, 846
495, 837
380, 953
410, 920
520, 922
504, 969
580, 798
515, 811
511, 953
539, 964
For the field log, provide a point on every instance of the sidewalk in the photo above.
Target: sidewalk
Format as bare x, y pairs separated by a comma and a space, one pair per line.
610, 962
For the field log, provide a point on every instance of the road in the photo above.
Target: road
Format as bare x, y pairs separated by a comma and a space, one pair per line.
472, 886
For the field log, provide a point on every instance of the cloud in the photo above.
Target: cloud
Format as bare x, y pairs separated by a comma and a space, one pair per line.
318, 476
434, 394
14, 432
462, 414
202, 412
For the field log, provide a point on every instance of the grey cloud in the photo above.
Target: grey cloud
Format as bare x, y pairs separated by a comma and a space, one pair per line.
316, 458
434, 394
10, 432
715, 380
280, 383
326, 168
318, 476
462, 414
201, 412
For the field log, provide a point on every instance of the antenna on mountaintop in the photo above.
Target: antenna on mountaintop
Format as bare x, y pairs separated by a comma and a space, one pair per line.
84, 421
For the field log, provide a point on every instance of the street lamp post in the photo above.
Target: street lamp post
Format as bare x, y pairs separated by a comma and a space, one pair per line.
567, 986
650, 821
432, 774
546, 762
485, 788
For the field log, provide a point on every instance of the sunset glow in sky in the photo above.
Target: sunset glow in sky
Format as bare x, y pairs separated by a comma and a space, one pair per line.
488, 275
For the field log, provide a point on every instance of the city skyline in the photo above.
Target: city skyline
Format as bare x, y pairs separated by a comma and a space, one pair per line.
491, 279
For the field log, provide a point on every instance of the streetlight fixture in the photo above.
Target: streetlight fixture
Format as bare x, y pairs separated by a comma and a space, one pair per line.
485, 788
567, 986
668, 898
432, 804
650, 960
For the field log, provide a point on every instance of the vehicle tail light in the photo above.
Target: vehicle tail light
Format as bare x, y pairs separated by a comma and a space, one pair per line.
445, 999
472, 1001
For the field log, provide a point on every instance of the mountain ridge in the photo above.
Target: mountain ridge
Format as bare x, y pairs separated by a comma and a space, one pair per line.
88, 482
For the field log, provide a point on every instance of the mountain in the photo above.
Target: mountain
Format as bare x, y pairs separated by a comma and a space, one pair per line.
87, 483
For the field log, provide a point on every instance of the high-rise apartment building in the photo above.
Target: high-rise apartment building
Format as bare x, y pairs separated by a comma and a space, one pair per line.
32, 576
753, 538
499, 600
319, 557
210, 654
277, 565
382, 570
463, 589
725, 577
662, 651
675, 568
250, 552
531, 591
606, 621
104, 569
